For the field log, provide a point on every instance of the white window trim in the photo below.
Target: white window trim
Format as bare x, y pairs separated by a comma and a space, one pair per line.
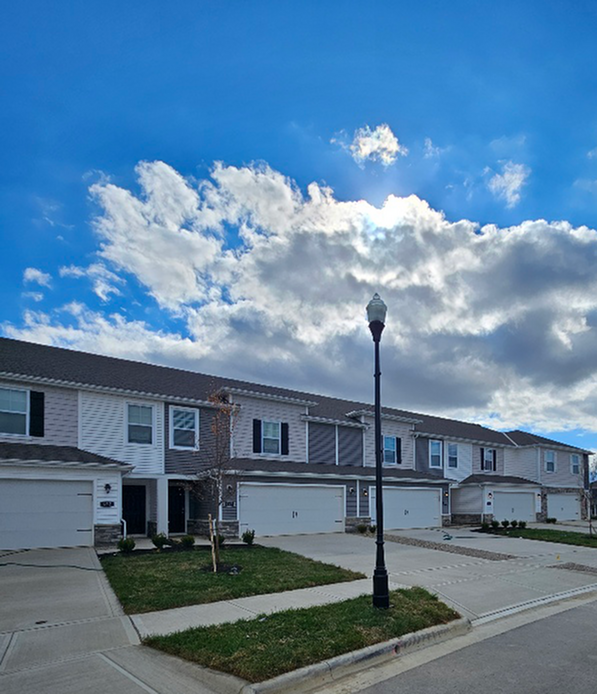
484, 467
440, 466
545, 461
153, 424
572, 456
448, 466
263, 437
26, 413
383, 450
195, 411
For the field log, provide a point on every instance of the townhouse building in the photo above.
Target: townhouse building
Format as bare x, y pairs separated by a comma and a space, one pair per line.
94, 446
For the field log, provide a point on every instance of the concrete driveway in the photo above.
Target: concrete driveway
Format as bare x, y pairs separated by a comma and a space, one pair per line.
62, 630
480, 587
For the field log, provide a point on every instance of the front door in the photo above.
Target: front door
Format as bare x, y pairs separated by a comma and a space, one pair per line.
133, 508
176, 510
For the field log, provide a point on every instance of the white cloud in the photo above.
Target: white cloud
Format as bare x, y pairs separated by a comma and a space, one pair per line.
32, 274
103, 280
493, 324
592, 153
430, 151
377, 145
34, 296
508, 185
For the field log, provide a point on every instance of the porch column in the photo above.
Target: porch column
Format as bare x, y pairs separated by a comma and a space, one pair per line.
162, 504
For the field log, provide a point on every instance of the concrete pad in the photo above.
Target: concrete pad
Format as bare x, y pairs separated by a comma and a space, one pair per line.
545, 582
43, 645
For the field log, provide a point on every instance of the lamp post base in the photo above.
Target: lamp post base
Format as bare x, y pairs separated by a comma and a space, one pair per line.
381, 594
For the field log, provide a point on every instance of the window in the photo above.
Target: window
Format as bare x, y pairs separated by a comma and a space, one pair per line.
550, 461
488, 459
270, 437
140, 424
435, 454
391, 450
184, 428
575, 464
13, 411
452, 455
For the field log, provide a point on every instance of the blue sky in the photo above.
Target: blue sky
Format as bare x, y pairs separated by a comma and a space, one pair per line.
222, 186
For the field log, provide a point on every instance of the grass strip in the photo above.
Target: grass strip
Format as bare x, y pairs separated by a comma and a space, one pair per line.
268, 646
163, 580
564, 537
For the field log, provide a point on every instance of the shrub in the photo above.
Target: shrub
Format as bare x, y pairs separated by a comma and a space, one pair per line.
160, 540
522, 524
362, 528
514, 523
495, 524
372, 528
248, 537
126, 545
551, 520
221, 540
187, 541
485, 526
505, 523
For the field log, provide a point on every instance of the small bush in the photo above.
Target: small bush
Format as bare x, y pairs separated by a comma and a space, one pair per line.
187, 541
485, 526
514, 523
505, 523
522, 524
551, 520
126, 545
248, 537
221, 541
372, 528
495, 524
362, 528
160, 540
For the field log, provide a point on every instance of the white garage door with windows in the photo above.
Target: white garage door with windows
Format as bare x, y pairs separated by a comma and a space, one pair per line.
289, 509
563, 506
44, 513
518, 506
408, 508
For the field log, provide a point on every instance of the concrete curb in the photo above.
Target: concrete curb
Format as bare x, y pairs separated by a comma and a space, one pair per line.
326, 672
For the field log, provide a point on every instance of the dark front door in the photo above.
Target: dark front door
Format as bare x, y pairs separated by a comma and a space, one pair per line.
176, 510
133, 509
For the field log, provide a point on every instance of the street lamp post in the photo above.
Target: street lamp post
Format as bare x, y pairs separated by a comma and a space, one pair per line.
376, 315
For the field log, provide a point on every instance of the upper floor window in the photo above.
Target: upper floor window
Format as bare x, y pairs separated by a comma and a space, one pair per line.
184, 427
435, 454
452, 455
391, 450
13, 411
550, 461
489, 459
575, 464
140, 424
270, 437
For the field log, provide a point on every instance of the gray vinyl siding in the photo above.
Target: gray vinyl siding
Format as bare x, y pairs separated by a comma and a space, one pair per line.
352, 499
467, 500
61, 415
562, 477
422, 458
187, 462
322, 443
364, 499
350, 446
499, 461
521, 462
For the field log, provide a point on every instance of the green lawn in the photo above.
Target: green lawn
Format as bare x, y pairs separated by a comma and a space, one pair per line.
160, 581
265, 647
563, 536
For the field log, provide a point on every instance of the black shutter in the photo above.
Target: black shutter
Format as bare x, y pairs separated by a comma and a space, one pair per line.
398, 450
256, 436
36, 413
494, 460
284, 438
482, 459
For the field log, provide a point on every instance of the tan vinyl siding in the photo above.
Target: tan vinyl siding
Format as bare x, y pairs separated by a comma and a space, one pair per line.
477, 460
521, 462
257, 408
467, 500
390, 428
103, 430
60, 415
562, 477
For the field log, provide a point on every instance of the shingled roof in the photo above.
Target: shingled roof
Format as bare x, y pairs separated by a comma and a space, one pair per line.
66, 366
41, 453
525, 438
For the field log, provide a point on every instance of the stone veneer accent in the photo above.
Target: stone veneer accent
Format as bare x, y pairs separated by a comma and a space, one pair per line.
107, 534
468, 518
351, 523
152, 528
199, 526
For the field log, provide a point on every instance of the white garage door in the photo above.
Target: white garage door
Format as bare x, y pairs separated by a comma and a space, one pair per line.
563, 506
408, 508
43, 513
287, 509
514, 506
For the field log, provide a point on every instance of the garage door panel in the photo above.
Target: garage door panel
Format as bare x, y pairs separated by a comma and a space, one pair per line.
408, 508
514, 506
45, 513
277, 509
563, 506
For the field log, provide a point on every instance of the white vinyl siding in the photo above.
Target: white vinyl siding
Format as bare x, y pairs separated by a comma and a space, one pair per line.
271, 437
435, 454
467, 500
184, 428
104, 429
14, 411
